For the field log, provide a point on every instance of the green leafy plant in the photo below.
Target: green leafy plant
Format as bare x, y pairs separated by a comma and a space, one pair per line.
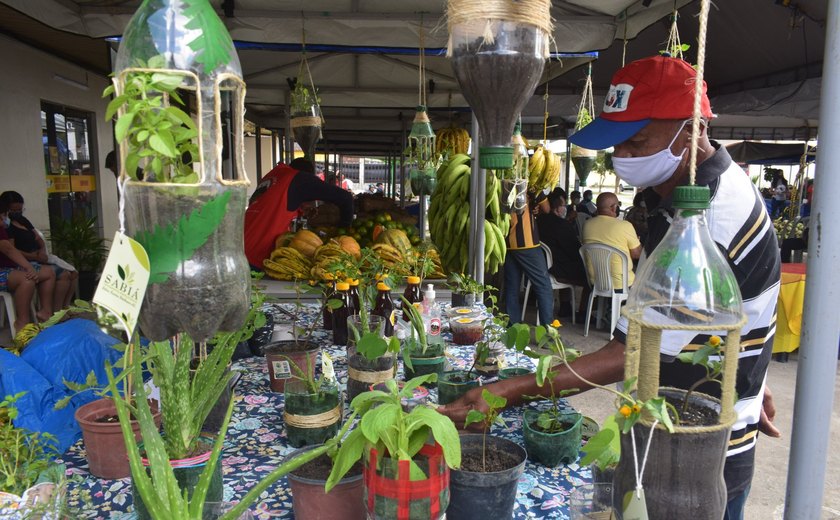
604, 448
418, 341
304, 97
709, 357
495, 404
390, 429
161, 137
24, 455
77, 240
465, 284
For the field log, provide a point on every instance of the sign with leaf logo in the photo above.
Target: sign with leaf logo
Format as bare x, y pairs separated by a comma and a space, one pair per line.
124, 280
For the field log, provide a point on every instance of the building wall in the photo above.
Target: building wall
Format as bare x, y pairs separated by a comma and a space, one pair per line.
27, 78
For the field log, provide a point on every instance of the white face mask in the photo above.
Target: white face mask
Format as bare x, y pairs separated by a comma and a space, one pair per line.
6, 221
651, 170
561, 211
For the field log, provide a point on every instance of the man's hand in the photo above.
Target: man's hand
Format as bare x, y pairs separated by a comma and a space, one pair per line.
30, 273
458, 410
768, 413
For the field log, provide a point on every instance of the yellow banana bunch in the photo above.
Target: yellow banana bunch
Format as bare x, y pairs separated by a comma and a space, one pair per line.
286, 263
543, 169
449, 215
451, 141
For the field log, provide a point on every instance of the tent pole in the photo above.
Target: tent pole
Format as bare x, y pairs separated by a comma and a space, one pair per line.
815, 377
478, 187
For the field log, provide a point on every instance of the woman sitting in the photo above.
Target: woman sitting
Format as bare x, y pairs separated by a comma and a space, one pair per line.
31, 244
20, 277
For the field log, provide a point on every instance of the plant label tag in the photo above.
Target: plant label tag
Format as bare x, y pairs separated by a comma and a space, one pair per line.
124, 280
327, 369
635, 507
282, 369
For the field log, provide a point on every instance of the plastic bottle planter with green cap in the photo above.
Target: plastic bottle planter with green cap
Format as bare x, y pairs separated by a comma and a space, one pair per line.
179, 100
421, 154
583, 159
685, 289
497, 63
515, 179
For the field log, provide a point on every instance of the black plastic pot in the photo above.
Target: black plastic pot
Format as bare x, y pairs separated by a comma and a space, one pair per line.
454, 384
507, 373
684, 470
460, 299
475, 495
311, 502
363, 372
551, 449
311, 418
430, 362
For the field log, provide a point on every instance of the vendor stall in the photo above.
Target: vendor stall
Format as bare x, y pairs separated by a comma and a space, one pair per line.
256, 443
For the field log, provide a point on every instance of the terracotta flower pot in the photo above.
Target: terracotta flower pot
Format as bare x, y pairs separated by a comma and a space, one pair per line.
104, 444
280, 355
310, 502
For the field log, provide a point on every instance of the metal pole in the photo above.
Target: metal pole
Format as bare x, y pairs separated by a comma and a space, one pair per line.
258, 149
402, 162
273, 148
478, 188
815, 378
568, 168
290, 143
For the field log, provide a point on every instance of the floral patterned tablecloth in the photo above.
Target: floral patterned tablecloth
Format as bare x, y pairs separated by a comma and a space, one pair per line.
256, 444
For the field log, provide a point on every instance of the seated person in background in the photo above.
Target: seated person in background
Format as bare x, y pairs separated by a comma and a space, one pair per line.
605, 228
586, 205
31, 245
20, 277
277, 200
637, 215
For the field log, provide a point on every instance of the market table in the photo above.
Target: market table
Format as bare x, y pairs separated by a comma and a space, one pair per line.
789, 309
256, 444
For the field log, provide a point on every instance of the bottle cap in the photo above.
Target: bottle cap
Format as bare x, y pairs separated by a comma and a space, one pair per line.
691, 197
353, 282
413, 279
430, 292
342, 286
382, 286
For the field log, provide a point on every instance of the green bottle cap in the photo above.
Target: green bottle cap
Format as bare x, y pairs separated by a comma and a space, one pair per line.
495, 157
691, 197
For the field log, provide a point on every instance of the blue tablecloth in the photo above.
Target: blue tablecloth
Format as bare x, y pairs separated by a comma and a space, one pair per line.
256, 444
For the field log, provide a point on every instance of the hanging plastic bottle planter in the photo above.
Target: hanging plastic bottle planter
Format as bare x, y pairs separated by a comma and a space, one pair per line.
515, 179
421, 154
306, 119
179, 99
498, 62
684, 290
583, 158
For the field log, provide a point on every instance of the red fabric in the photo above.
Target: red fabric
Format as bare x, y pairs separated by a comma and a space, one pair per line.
653, 88
403, 490
795, 268
267, 217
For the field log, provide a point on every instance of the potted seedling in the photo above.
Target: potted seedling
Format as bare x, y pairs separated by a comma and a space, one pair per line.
465, 290
306, 117
485, 484
419, 356
310, 500
313, 406
407, 455
77, 240
602, 451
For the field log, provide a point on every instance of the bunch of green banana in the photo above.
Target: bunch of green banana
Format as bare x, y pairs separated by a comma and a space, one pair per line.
449, 212
543, 169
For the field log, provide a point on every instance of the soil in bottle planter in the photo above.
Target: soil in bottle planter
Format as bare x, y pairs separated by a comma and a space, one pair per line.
363, 372
453, 385
307, 137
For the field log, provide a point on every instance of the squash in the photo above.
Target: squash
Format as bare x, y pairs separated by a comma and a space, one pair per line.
350, 246
306, 242
395, 238
283, 240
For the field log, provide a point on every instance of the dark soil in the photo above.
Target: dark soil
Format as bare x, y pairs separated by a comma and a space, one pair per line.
286, 347
460, 378
563, 426
495, 461
696, 414
320, 468
108, 419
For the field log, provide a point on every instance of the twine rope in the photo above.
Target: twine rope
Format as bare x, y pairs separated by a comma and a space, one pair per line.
320, 420
545, 105
586, 101
624, 44
638, 473
698, 89
298, 122
365, 376
421, 87
121, 187
421, 117
530, 12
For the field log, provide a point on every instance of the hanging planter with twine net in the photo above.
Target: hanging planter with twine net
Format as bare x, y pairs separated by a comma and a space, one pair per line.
306, 117
583, 158
498, 50
422, 150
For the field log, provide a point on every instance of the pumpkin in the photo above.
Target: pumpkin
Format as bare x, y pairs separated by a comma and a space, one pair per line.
395, 238
350, 246
306, 242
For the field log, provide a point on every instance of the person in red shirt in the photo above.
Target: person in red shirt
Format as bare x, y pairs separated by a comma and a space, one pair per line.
276, 202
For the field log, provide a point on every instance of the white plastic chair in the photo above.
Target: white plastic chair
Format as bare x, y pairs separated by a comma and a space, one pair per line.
580, 221
555, 285
7, 301
598, 256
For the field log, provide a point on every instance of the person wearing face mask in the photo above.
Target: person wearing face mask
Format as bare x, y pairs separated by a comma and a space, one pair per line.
606, 228
646, 117
586, 205
560, 236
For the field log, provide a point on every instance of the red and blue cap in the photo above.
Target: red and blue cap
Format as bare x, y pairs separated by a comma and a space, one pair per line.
658, 87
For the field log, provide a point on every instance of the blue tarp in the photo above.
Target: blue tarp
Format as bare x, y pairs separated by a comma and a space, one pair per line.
69, 350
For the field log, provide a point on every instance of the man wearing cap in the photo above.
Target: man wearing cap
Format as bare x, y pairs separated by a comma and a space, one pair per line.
646, 117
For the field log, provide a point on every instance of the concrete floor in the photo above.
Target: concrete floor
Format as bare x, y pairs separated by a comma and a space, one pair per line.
766, 499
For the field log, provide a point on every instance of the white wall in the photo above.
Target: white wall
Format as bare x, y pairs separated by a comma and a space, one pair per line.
26, 80
250, 142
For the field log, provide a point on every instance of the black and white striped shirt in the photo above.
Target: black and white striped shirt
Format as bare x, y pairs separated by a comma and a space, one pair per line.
740, 226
